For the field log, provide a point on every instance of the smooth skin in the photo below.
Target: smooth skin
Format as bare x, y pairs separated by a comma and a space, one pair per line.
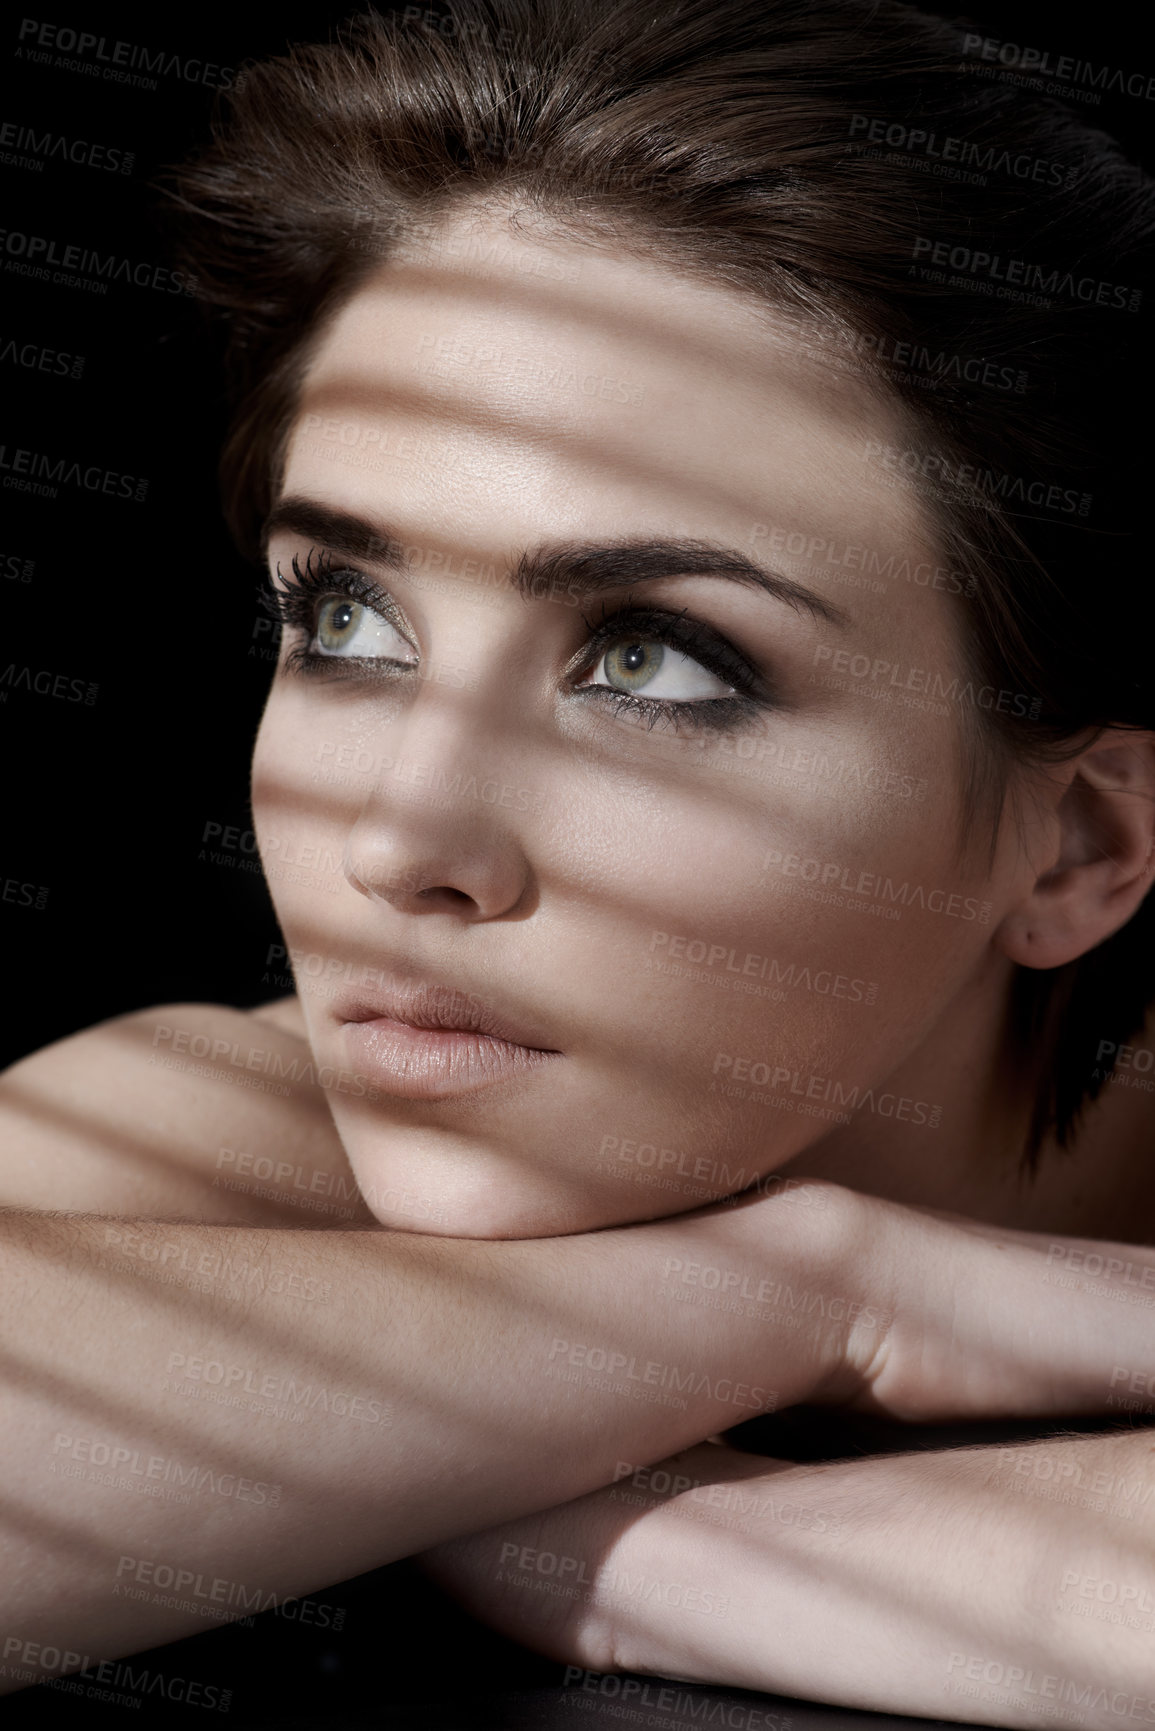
484, 815
446, 1292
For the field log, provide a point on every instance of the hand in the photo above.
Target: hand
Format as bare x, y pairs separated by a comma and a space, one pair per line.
909, 1583
943, 1317
549, 1580
916, 1314
985, 1322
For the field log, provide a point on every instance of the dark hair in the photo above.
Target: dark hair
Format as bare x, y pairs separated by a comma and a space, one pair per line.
989, 279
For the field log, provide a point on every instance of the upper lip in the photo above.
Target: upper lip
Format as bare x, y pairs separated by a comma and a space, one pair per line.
423, 1004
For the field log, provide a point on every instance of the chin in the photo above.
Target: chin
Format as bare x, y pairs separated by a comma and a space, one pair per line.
501, 1221
493, 1205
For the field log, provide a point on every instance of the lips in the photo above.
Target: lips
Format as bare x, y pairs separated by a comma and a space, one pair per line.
418, 1005
420, 1041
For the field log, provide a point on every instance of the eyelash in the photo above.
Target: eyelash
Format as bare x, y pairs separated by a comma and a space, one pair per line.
292, 599
690, 637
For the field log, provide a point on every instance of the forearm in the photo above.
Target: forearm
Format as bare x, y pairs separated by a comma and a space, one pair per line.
1004, 1586
290, 1408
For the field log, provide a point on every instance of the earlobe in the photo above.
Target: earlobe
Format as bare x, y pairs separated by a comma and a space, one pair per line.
1104, 811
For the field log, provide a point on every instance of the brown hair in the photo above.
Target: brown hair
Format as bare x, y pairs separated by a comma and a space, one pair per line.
989, 279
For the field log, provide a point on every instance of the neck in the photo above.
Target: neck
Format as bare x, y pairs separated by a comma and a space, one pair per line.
1101, 1185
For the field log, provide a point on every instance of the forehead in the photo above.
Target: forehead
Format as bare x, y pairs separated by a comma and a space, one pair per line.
520, 382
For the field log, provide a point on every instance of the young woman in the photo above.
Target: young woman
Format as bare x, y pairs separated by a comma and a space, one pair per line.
699, 765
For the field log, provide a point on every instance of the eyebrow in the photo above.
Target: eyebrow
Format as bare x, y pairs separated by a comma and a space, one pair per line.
570, 569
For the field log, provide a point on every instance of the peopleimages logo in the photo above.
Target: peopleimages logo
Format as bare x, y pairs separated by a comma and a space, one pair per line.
119, 1673
37, 357
1021, 1680
80, 264
45, 683
1066, 69
824, 981
652, 1373
735, 1068
119, 61
37, 472
984, 157
173, 1578
77, 150
832, 877
938, 469
277, 1387
158, 1470
1024, 274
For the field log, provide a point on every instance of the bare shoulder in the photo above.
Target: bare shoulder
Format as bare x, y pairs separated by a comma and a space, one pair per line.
196, 1111
283, 1013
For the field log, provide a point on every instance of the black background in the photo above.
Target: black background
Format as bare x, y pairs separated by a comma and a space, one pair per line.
106, 806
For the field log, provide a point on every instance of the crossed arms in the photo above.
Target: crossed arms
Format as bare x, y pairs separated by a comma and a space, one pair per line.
261, 1402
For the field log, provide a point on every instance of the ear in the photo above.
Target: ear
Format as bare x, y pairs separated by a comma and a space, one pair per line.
1100, 819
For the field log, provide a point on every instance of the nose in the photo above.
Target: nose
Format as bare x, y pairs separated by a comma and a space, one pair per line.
438, 832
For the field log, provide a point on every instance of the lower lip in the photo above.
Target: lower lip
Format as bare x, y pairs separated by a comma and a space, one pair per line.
435, 1063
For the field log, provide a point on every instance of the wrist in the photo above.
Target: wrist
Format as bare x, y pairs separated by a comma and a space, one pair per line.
768, 1292
675, 1573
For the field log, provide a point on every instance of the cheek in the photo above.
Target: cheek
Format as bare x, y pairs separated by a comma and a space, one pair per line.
808, 945
743, 1040
282, 794
750, 872
301, 815
829, 989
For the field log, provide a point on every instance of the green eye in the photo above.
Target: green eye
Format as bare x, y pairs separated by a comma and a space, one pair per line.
646, 665
630, 666
349, 629
337, 623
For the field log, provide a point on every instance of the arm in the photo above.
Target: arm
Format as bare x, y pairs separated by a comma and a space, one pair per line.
1001, 1586
186, 1351
242, 1409
287, 1408
978, 1583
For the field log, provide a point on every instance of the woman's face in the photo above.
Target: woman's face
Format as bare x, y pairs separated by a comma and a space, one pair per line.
605, 734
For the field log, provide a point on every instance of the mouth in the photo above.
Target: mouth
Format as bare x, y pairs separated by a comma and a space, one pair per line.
426, 1042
